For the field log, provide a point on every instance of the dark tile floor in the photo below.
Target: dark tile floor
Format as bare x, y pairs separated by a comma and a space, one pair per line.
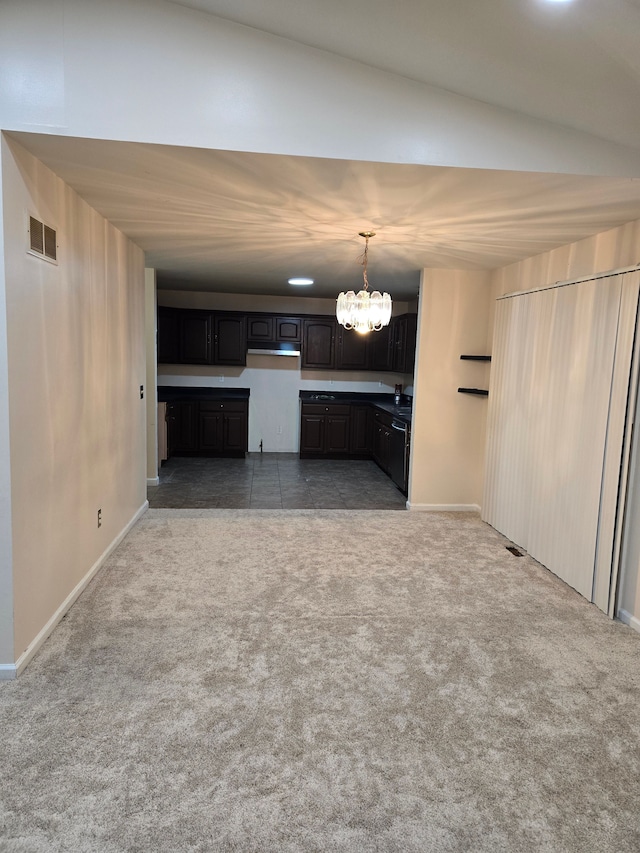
274, 481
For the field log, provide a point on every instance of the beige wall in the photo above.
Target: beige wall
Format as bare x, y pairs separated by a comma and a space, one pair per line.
75, 362
150, 323
448, 430
274, 382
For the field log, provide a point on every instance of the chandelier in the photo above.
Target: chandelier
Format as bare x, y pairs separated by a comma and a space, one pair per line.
364, 311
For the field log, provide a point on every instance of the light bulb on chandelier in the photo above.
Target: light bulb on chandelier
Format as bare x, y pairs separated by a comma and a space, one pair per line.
364, 311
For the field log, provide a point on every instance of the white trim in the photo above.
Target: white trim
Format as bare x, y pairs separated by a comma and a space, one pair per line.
153, 481
443, 507
10, 671
628, 619
7, 671
551, 285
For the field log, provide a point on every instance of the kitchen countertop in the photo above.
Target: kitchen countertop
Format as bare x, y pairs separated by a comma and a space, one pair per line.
384, 402
173, 393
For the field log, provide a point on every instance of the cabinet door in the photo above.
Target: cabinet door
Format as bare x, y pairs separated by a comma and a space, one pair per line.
337, 434
380, 349
399, 343
168, 336
360, 429
210, 430
318, 344
312, 433
404, 343
381, 441
234, 432
288, 329
230, 339
181, 422
195, 337
351, 349
260, 327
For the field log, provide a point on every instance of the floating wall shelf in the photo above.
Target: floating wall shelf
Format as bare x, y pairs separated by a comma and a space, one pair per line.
479, 392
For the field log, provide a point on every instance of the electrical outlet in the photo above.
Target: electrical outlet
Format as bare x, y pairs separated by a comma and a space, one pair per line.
220, 379
99, 518
279, 430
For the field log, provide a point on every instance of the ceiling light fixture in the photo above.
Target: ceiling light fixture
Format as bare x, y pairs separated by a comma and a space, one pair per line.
364, 311
300, 281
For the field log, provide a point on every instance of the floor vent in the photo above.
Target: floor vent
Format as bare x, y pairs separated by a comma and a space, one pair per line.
42, 240
514, 551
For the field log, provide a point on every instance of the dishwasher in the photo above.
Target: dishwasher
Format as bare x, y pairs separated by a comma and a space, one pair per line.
399, 454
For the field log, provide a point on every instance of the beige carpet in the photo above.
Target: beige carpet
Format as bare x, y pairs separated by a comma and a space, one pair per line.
272, 682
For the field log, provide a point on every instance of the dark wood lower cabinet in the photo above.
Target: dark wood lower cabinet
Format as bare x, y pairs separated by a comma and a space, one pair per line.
182, 433
382, 440
207, 428
354, 431
324, 430
361, 422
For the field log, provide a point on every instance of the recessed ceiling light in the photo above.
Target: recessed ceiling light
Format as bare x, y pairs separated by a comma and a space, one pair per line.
300, 281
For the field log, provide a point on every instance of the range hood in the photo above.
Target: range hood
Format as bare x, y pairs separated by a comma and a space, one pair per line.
272, 348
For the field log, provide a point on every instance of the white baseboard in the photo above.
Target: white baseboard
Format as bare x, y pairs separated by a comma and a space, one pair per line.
628, 619
10, 671
443, 507
7, 671
153, 481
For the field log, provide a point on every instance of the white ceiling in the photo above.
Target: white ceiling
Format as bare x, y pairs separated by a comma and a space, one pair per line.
229, 221
574, 63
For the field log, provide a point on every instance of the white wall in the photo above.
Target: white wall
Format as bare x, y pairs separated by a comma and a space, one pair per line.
153, 71
448, 429
275, 382
6, 562
75, 335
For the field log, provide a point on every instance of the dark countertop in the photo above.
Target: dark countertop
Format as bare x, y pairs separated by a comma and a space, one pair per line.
173, 393
380, 401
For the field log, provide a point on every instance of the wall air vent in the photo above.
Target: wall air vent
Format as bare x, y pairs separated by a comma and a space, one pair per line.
42, 240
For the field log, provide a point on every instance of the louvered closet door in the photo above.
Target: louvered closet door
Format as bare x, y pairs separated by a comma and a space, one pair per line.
571, 345
508, 471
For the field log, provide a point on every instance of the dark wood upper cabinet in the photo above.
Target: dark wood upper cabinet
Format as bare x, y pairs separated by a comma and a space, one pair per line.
352, 349
195, 337
380, 349
260, 327
318, 337
403, 332
168, 335
230, 339
288, 329
188, 336
273, 328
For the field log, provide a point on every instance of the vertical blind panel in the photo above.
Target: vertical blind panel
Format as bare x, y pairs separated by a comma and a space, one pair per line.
618, 447
557, 426
572, 374
507, 490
